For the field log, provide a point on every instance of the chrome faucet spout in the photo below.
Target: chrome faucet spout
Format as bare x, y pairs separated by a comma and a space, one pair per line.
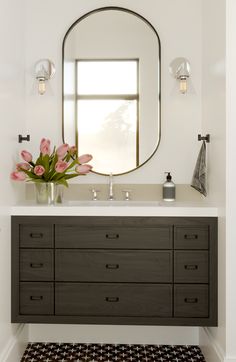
111, 194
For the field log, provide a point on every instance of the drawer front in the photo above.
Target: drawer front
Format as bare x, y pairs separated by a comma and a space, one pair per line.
113, 299
72, 236
113, 266
36, 265
36, 236
191, 237
191, 266
191, 301
36, 298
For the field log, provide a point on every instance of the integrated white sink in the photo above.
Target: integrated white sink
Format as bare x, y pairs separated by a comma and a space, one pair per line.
116, 208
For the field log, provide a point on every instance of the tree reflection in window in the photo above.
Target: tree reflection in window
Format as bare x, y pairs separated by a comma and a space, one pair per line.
107, 113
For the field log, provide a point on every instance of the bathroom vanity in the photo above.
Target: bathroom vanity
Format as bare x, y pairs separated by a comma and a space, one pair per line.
130, 265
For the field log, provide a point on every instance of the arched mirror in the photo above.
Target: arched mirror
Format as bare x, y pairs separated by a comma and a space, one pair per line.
111, 89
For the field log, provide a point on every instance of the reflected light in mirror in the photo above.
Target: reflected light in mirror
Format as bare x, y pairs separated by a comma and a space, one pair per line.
112, 123
107, 113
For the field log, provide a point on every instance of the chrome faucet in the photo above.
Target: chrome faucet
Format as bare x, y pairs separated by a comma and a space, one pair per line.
111, 195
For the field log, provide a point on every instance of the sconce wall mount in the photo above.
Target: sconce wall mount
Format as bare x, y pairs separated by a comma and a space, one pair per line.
180, 70
44, 70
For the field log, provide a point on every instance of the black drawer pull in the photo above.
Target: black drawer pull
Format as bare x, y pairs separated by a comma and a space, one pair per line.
36, 297
36, 265
36, 235
191, 267
112, 299
191, 236
112, 236
191, 300
112, 266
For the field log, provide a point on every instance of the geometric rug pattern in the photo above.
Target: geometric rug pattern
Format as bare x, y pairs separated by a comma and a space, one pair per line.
81, 352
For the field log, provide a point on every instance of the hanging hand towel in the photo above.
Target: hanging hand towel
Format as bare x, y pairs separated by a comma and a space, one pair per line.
199, 174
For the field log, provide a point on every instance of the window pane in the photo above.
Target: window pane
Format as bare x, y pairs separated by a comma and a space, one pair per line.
107, 77
112, 123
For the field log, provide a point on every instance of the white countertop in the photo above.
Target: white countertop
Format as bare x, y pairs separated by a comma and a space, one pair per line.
117, 208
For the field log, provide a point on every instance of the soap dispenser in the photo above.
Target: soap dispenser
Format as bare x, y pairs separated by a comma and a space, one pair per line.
168, 189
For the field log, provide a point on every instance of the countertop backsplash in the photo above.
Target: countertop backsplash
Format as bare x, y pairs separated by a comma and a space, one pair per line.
138, 192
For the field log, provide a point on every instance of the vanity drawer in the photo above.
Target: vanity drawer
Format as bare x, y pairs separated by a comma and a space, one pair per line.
191, 266
36, 298
191, 301
113, 299
112, 237
191, 237
36, 236
113, 266
36, 264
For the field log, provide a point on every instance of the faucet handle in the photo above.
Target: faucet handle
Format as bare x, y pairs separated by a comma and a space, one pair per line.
95, 194
127, 194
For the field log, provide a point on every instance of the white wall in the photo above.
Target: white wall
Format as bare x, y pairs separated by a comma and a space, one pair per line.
181, 115
11, 124
219, 113
113, 334
213, 93
230, 184
181, 119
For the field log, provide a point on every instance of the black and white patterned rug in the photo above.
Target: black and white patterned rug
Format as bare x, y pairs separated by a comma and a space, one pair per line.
76, 352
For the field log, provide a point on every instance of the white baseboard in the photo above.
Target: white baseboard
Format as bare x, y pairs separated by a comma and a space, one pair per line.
16, 345
210, 348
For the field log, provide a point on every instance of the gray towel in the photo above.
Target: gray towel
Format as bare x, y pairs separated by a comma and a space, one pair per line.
199, 174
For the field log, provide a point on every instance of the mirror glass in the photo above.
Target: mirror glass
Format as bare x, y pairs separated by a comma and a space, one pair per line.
111, 89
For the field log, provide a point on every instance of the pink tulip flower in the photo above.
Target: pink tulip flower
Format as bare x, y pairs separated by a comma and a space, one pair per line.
61, 166
26, 156
18, 176
22, 166
39, 170
85, 158
62, 150
45, 146
83, 169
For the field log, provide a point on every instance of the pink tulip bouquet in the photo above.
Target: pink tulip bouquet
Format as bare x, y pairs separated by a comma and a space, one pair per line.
57, 166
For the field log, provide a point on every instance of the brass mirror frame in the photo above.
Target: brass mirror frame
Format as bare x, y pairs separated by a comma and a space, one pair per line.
116, 8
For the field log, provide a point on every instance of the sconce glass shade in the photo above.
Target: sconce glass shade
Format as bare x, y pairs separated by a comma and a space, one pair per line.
44, 70
180, 70
41, 86
183, 85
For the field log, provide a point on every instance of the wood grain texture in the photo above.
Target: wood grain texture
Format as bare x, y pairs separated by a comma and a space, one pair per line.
113, 266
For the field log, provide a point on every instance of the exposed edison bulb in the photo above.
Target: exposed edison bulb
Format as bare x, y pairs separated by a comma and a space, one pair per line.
42, 86
183, 85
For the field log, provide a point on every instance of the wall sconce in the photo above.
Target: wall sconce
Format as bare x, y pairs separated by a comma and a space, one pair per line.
180, 69
45, 70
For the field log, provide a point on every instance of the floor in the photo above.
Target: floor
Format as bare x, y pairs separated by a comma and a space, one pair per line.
63, 352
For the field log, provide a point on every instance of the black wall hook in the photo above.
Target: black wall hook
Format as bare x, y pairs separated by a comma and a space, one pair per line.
22, 138
204, 138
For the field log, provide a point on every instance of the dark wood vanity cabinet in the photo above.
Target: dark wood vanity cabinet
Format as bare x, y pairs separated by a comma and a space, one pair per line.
114, 270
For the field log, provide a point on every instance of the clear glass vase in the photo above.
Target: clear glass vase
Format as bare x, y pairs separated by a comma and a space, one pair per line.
46, 193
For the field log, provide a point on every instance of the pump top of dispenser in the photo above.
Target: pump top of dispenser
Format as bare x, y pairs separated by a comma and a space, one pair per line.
168, 177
